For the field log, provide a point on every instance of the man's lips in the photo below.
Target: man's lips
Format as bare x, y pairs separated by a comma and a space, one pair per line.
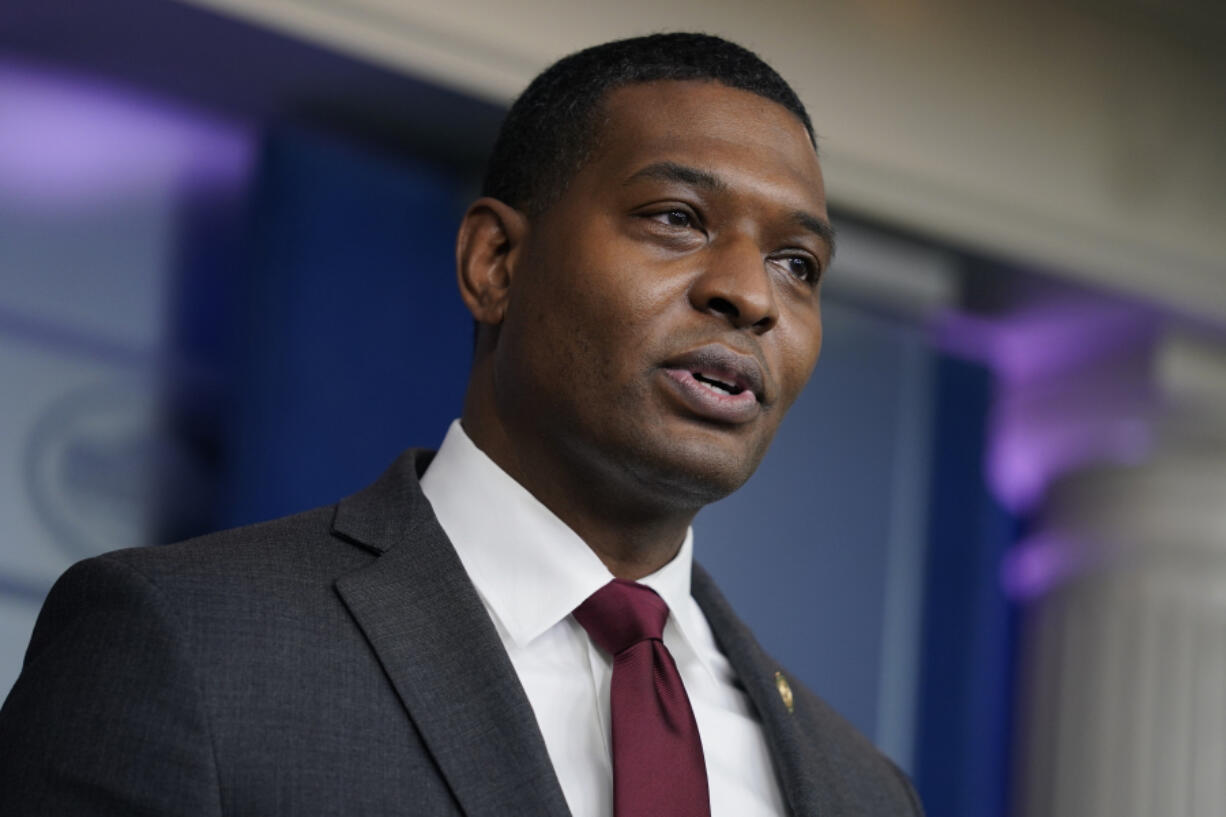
717, 383
718, 363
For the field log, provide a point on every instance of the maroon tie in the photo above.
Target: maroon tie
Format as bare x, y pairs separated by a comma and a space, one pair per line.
658, 769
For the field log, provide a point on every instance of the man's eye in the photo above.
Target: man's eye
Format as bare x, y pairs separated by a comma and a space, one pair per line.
802, 267
676, 218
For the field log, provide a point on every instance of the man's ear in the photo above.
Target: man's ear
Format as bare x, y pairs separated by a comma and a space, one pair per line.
487, 249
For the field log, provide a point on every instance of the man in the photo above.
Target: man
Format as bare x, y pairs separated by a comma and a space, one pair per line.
644, 270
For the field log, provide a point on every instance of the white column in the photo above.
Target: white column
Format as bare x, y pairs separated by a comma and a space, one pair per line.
1123, 687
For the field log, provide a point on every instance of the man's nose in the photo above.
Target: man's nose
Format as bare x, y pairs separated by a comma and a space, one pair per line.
736, 285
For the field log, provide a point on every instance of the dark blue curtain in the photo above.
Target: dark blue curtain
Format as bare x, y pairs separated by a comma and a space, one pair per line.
349, 340
966, 683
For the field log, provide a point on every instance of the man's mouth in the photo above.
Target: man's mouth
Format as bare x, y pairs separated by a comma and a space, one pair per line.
717, 384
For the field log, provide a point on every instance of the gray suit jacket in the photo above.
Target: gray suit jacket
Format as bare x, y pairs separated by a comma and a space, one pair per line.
336, 662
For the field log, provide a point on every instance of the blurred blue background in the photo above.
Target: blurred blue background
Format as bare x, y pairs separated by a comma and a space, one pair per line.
227, 294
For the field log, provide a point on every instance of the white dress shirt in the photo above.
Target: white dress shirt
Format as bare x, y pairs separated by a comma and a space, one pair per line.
531, 571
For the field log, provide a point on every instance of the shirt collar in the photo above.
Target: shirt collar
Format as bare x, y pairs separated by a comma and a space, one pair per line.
531, 569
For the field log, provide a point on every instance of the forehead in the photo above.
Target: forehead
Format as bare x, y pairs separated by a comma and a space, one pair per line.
710, 126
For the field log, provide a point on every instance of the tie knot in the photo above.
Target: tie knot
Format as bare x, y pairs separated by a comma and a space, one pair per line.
621, 614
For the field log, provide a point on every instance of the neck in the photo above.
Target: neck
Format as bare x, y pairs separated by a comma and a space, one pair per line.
632, 532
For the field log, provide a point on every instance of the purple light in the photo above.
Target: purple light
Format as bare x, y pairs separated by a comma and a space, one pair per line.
1044, 339
1039, 564
1073, 388
67, 140
1034, 441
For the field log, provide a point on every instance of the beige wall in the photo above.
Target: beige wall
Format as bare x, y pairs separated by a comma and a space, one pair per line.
1088, 143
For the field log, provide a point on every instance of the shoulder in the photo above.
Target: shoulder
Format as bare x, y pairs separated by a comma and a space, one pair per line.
150, 669
261, 582
198, 583
303, 541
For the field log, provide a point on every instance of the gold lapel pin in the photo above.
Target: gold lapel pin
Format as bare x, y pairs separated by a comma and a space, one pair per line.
785, 691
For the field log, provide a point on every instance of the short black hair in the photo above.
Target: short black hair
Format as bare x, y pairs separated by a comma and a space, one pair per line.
551, 129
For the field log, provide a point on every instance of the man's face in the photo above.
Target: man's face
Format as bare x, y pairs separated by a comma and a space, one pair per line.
664, 312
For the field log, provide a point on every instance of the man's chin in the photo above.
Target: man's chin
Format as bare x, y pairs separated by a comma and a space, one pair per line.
697, 469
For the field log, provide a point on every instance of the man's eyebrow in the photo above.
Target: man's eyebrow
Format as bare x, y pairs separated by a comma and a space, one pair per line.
673, 172
822, 228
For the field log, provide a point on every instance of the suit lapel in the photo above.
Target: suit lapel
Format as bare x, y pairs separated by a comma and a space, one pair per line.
436, 642
809, 781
